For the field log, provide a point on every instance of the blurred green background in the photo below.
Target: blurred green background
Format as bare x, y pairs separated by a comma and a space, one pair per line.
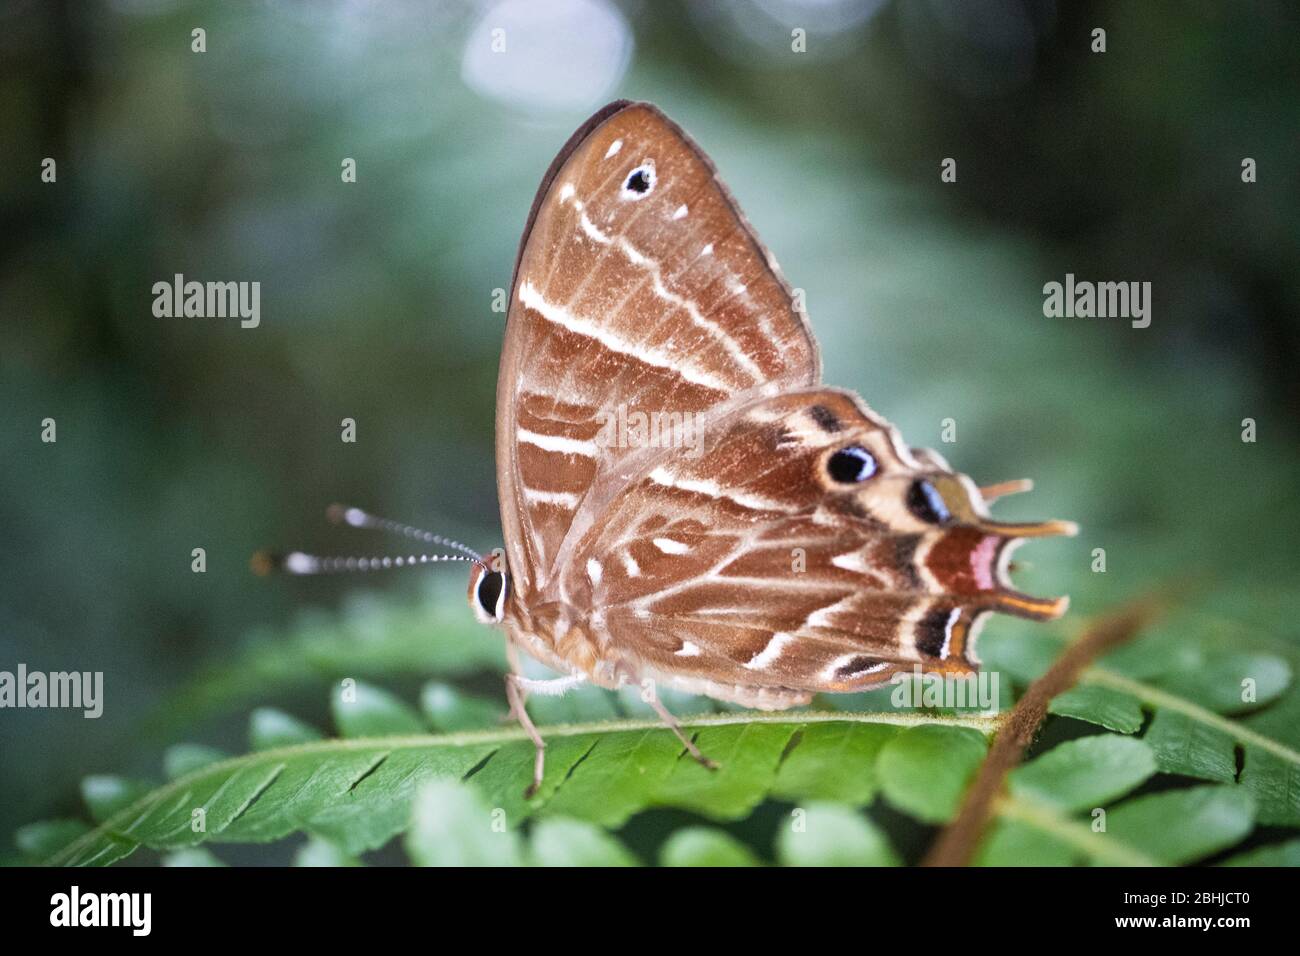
376, 303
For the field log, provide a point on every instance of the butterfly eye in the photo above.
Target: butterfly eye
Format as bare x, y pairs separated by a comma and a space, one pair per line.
491, 593
639, 182
925, 502
851, 465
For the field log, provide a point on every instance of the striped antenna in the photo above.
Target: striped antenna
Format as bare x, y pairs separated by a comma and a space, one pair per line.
356, 518
300, 563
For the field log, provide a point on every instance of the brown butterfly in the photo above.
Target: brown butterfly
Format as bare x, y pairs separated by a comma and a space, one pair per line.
684, 504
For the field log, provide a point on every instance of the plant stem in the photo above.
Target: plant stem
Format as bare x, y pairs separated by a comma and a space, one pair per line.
957, 843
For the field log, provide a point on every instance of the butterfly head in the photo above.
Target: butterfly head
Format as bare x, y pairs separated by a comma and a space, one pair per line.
489, 588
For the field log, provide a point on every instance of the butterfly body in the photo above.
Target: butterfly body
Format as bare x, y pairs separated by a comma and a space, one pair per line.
684, 504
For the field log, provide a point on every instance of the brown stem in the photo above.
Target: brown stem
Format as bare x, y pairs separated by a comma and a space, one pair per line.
958, 842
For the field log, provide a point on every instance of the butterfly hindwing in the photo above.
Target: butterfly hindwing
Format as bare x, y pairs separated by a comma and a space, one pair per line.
794, 551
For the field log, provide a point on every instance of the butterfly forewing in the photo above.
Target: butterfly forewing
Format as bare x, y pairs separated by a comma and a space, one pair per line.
639, 289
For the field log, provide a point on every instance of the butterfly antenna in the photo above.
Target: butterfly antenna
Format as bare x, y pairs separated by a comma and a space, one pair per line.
300, 563
356, 518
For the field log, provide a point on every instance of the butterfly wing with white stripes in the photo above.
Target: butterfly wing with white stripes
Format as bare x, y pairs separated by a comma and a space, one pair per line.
805, 548
639, 290
680, 497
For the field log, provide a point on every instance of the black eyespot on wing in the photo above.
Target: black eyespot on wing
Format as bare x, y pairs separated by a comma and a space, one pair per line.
851, 465
925, 502
640, 181
825, 418
489, 591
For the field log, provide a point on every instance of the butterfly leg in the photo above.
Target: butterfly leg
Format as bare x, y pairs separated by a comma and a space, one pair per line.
676, 728
517, 668
517, 689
